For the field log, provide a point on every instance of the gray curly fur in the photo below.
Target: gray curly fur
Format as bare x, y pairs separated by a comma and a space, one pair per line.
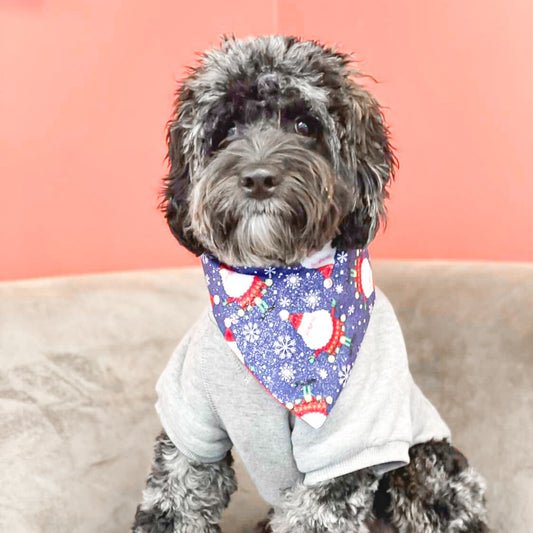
436, 492
342, 505
271, 80
181, 495
331, 185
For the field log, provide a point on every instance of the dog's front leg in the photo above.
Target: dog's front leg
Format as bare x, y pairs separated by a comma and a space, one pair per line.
340, 505
437, 491
183, 496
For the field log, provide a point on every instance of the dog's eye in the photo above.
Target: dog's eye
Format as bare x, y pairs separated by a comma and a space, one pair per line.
302, 127
305, 126
224, 135
232, 131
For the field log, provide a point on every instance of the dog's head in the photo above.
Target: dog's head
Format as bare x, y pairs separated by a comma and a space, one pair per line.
274, 151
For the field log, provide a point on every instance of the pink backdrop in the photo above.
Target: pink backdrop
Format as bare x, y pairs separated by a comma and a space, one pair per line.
87, 88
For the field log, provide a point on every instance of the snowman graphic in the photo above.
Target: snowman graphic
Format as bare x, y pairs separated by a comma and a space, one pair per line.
245, 290
323, 261
362, 274
312, 409
320, 330
232, 343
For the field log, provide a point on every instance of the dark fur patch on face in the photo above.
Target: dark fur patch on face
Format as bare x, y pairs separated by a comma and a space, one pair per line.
295, 88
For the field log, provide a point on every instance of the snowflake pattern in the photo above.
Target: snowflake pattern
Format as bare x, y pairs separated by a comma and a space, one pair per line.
293, 280
270, 271
284, 346
342, 257
351, 310
344, 373
231, 320
250, 331
339, 289
284, 301
312, 299
323, 373
286, 373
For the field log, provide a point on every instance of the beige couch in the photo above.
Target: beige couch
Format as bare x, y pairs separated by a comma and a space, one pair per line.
80, 357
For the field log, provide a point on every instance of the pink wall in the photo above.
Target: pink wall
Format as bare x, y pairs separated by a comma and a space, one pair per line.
456, 77
87, 88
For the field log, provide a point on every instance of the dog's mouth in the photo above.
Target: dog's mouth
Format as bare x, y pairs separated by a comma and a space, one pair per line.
274, 213
269, 207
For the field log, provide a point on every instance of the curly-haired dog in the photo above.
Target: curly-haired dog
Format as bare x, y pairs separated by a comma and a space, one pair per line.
279, 167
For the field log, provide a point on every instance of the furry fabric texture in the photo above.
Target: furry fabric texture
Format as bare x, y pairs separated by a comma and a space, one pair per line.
275, 149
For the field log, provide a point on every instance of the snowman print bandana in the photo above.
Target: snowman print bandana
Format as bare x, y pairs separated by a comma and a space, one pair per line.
296, 329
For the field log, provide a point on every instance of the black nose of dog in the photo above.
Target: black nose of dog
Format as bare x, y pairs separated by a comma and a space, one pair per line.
259, 183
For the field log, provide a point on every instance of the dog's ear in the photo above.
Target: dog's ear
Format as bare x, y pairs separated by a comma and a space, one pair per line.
368, 159
176, 186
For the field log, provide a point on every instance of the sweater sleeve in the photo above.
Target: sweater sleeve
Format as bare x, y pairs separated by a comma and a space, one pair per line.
183, 404
380, 412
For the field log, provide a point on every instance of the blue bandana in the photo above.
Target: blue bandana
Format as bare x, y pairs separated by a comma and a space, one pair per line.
296, 329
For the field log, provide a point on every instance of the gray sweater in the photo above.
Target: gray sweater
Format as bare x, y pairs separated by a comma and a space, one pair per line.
208, 402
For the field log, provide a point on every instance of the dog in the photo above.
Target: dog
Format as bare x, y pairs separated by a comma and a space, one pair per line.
280, 163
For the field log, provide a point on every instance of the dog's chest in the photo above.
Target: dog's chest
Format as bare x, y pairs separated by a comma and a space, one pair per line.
258, 426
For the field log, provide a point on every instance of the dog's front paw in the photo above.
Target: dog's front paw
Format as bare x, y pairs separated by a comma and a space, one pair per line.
155, 520
340, 505
436, 491
183, 496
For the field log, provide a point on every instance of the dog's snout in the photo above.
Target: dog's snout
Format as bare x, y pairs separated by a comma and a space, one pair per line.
259, 183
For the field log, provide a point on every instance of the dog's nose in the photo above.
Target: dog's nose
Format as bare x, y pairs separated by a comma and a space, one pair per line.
259, 183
